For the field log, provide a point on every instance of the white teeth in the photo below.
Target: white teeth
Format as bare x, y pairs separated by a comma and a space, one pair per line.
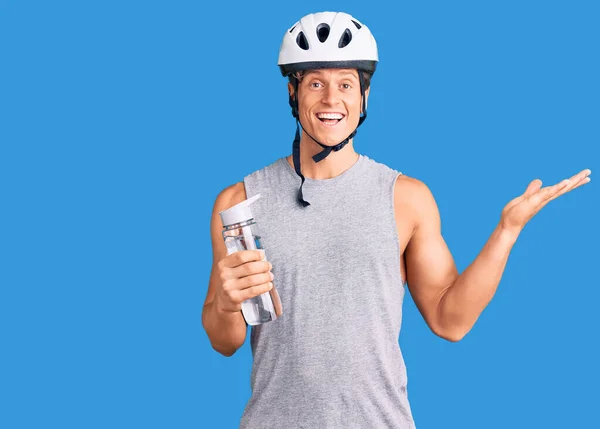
330, 115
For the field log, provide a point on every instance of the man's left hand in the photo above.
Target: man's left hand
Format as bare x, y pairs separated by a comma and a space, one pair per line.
521, 209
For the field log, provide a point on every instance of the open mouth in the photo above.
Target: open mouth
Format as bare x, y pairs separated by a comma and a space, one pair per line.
330, 119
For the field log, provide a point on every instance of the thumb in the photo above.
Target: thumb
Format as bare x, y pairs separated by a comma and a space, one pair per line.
533, 187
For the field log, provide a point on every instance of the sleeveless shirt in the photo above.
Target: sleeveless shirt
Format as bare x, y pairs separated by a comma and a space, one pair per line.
332, 359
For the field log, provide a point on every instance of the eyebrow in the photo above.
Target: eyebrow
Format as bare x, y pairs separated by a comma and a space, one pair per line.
343, 72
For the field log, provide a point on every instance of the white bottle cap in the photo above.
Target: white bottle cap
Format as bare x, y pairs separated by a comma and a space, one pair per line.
239, 213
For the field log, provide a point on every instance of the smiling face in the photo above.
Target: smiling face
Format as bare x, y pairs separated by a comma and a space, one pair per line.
329, 103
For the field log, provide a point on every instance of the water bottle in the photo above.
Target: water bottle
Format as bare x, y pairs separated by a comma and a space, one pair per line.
240, 232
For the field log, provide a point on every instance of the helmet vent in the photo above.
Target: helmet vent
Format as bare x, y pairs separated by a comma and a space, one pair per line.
292, 29
356, 23
345, 39
301, 41
322, 32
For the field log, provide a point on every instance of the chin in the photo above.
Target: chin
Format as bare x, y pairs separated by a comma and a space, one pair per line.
332, 141
331, 137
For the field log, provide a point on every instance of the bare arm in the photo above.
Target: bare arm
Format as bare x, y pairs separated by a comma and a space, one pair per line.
226, 330
451, 303
430, 267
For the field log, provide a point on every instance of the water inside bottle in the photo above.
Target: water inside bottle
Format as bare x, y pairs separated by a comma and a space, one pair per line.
236, 244
259, 309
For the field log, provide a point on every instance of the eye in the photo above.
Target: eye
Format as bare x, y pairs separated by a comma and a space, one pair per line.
315, 84
346, 86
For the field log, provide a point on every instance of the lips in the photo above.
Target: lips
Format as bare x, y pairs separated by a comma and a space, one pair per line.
330, 119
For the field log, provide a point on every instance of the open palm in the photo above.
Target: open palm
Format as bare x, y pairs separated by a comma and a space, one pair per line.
521, 209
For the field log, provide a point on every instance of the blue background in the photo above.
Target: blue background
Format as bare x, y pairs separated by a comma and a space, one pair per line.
120, 123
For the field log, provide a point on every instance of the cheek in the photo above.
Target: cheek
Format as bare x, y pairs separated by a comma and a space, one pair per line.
354, 98
305, 104
354, 106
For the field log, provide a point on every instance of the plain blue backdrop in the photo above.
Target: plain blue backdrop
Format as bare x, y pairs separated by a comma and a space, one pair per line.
120, 122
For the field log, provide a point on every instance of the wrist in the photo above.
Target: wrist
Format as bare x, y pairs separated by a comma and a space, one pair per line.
507, 233
221, 311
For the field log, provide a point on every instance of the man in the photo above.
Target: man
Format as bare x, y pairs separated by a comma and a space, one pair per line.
346, 235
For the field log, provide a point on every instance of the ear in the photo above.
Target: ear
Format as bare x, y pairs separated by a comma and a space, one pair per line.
366, 99
291, 89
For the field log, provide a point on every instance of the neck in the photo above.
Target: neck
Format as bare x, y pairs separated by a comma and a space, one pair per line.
334, 165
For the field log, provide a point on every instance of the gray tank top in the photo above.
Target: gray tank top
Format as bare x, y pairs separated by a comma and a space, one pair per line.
332, 360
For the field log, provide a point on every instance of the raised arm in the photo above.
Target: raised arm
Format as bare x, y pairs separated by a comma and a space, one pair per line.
430, 267
451, 303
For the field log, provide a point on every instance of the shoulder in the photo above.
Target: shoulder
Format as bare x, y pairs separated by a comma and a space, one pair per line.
267, 171
410, 188
413, 197
230, 196
411, 193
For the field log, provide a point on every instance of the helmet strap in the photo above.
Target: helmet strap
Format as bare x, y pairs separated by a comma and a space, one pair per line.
296, 158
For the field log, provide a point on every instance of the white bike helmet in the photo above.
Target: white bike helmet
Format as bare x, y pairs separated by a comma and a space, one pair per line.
326, 40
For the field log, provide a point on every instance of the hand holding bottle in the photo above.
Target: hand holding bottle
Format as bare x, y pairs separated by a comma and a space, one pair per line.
244, 275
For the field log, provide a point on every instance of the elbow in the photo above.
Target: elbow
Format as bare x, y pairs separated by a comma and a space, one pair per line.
454, 337
451, 326
225, 349
227, 352
224, 339
454, 334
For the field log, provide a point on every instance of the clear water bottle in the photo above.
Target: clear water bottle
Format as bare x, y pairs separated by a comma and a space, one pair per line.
240, 232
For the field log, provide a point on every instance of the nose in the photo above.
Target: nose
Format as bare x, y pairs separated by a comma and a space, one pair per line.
330, 95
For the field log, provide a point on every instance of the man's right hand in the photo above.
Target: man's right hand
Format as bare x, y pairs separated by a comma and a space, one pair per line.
243, 275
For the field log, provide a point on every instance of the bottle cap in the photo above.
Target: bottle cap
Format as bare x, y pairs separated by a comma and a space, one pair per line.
239, 213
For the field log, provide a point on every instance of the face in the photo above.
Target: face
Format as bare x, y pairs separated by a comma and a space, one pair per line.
329, 104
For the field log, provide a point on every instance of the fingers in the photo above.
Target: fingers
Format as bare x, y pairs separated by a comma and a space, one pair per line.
581, 175
235, 297
576, 181
574, 184
239, 258
240, 289
247, 269
253, 291
249, 281
544, 196
238, 284
581, 183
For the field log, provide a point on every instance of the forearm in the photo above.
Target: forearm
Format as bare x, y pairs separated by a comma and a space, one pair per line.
471, 292
226, 330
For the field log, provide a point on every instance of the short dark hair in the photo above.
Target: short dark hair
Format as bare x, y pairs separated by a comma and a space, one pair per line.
299, 75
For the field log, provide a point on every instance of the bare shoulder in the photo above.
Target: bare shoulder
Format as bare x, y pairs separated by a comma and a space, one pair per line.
410, 188
413, 197
230, 196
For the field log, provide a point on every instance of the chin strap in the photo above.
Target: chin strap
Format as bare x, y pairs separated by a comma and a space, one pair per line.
326, 149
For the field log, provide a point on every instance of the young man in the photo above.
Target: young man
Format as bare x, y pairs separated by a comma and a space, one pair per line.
345, 234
